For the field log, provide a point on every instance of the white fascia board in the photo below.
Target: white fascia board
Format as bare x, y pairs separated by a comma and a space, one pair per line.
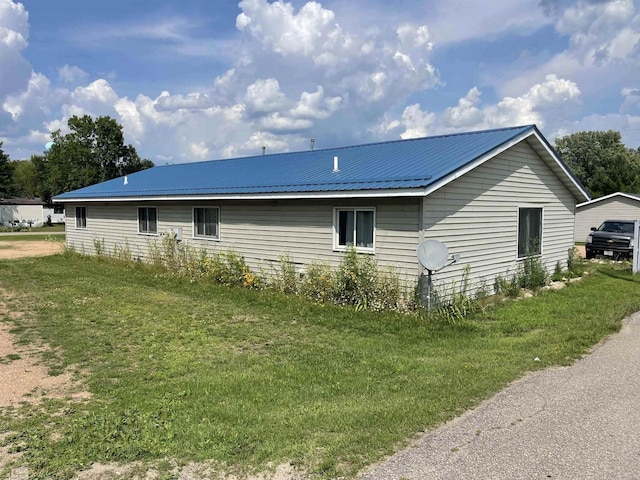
606, 197
561, 165
477, 162
392, 193
496, 151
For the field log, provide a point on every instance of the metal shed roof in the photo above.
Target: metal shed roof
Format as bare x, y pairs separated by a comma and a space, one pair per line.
399, 167
630, 196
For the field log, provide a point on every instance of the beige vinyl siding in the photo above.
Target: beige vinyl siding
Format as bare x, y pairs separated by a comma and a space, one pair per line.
261, 231
614, 208
477, 216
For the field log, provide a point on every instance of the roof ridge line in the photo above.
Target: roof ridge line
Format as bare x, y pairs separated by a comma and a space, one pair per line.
346, 147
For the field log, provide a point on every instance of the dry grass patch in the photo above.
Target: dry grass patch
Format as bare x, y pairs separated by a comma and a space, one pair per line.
23, 375
37, 248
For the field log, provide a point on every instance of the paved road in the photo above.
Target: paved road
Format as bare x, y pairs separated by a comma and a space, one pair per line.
579, 422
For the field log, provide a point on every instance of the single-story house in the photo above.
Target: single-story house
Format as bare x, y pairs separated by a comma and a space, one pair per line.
490, 196
29, 210
616, 206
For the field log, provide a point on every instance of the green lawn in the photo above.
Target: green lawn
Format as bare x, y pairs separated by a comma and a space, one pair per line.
192, 371
55, 228
18, 237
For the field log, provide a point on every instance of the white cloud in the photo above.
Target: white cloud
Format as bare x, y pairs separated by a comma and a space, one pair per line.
603, 46
315, 105
454, 21
72, 75
381, 65
312, 32
600, 31
526, 109
199, 150
301, 69
631, 99
470, 114
276, 123
416, 122
315, 77
466, 113
264, 96
14, 35
194, 100
36, 97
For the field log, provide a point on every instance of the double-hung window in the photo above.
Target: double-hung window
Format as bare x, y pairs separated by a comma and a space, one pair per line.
206, 222
529, 231
148, 220
81, 217
356, 227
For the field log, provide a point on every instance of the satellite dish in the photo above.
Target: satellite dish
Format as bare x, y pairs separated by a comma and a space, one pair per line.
48, 145
432, 254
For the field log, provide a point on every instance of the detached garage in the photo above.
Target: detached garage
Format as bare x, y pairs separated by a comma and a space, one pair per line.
616, 206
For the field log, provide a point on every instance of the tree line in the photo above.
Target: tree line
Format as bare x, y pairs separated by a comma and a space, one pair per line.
93, 151
601, 162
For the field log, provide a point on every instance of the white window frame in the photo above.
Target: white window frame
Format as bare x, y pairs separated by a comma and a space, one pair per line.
75, 213
537, 207
138, 220
336, 234
193, 223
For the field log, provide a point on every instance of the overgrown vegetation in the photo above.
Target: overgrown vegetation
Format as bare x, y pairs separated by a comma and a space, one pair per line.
357, 281
181, 368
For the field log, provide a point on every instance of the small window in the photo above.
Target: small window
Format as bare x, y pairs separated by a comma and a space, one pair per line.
354, 226
148, 220
81, 217
529, 232
206, 222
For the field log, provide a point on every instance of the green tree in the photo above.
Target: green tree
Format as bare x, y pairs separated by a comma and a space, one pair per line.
25, 181
6, 174
92, 152
601, 161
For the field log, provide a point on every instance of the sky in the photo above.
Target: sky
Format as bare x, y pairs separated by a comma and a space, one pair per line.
208, 79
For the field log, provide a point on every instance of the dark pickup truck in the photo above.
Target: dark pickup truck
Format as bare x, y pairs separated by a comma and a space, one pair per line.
613, 239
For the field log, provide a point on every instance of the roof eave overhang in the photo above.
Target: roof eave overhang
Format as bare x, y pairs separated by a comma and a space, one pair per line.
397, 192
607, 197
559, 167
541, 147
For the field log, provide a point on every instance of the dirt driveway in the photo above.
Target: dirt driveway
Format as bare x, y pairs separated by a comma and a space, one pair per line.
36, 248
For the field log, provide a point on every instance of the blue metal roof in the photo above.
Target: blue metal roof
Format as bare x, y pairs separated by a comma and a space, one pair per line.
401, 164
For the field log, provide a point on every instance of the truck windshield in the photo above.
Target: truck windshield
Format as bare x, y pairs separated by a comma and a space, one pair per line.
616, 227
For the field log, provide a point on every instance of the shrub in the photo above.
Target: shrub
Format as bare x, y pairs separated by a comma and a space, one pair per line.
356, 279
532, 274
510, 288
575, 263
318, 283
98, 246
456, 305
557, 272
122, 252
285, 279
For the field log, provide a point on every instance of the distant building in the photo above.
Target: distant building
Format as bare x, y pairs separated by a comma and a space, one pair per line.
25, 210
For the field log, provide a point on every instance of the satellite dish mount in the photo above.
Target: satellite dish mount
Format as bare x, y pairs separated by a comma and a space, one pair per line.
433, 255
